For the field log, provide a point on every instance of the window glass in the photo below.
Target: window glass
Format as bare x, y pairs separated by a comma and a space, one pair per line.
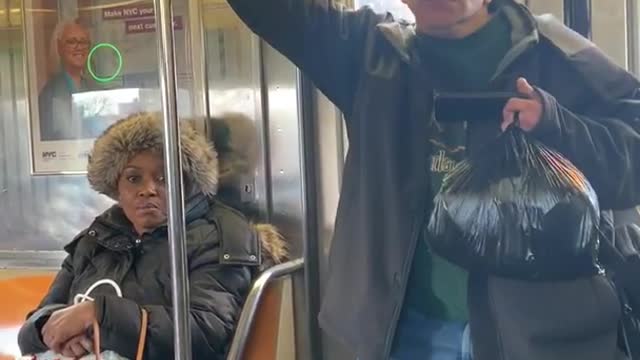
395, 7
72, 69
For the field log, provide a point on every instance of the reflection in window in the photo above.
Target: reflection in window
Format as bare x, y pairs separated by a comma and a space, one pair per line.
395, 7
97, 110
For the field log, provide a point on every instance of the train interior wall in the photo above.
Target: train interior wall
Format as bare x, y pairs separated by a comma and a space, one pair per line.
224, 68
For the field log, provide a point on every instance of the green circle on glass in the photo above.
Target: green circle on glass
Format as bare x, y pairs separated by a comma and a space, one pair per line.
104, 79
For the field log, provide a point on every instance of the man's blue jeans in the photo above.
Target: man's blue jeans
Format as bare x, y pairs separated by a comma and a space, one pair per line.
419, 338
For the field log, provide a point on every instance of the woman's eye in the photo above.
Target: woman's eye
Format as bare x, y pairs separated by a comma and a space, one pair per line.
161, 179
133, 179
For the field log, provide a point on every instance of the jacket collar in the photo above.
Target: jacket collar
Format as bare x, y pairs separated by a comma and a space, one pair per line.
114, 231
524, 34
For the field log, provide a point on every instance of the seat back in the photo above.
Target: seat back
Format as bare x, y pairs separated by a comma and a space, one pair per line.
257, 333
21, 293
262, 343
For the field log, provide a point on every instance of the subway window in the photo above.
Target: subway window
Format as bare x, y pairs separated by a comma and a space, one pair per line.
395, 7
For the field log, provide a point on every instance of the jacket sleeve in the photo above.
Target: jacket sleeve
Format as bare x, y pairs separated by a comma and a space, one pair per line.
324, 40
216, 297
29, 337
606, 148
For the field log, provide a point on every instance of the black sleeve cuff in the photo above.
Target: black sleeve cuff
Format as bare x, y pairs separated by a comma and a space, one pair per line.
30, 335
119, 321
548, 130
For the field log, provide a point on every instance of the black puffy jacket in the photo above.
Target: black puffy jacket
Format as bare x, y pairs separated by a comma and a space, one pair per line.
223, 252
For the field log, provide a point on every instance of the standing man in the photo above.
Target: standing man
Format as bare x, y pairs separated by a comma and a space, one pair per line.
57, 118
388, 295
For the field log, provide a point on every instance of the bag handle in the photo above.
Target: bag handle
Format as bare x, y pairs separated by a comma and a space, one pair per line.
96, 327
141, 338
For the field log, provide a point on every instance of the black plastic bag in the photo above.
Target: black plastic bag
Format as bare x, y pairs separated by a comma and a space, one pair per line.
518, 209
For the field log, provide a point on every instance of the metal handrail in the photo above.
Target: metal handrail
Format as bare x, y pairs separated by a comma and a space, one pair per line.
175, 204
248, 314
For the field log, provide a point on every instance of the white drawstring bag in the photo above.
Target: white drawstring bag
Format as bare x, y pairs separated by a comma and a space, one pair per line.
97, 355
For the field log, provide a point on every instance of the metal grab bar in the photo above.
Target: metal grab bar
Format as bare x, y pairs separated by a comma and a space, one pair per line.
175, 205
248, 314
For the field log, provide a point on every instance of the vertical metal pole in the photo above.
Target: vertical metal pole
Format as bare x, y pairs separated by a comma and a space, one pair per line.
308, 161
633, 28
198, 59
179, 279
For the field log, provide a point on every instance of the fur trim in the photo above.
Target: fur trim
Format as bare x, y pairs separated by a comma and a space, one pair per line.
142, 132
274, 247
236, 140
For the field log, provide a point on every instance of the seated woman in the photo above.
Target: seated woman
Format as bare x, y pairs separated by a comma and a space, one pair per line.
128, 244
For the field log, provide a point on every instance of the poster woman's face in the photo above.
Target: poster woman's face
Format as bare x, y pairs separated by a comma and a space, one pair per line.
73, 46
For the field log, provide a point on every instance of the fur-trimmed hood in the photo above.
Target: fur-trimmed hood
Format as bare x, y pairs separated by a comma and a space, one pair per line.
274, 246
142, 132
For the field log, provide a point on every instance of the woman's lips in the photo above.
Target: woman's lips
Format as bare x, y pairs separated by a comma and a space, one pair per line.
146, 206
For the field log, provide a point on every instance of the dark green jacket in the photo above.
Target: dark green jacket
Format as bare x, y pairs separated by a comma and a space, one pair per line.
367, 64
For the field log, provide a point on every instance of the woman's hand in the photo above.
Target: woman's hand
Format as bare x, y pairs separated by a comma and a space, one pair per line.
67, 323
78, 346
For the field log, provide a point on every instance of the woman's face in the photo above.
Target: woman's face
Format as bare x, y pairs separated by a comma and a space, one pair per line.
142, 192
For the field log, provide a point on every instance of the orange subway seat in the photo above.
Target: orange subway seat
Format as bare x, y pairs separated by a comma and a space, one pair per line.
21, 294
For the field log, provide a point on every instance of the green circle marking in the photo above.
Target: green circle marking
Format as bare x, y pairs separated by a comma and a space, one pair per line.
104, 79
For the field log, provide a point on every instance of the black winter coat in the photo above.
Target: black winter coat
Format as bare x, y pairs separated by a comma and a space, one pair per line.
223, 252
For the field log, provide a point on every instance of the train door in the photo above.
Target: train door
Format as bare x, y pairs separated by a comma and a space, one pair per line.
245, 75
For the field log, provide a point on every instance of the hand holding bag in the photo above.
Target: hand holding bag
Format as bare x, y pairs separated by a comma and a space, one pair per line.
97, 353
